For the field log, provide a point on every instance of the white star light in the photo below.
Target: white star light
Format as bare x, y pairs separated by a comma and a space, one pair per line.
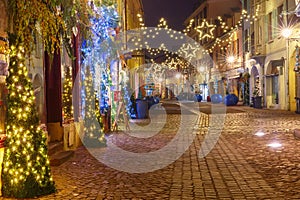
173, 64
188, 52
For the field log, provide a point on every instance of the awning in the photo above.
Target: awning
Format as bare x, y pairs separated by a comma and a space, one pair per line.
273, 68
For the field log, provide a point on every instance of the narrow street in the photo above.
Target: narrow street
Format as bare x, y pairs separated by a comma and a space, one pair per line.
140, 99
240, 166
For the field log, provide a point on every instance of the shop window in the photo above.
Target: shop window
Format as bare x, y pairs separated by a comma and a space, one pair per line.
298, 85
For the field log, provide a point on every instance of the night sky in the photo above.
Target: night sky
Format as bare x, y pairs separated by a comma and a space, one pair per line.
174, 11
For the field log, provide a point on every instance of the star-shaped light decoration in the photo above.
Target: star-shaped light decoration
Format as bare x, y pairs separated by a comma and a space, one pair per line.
157, 71
173, 63
205, 30
188, 52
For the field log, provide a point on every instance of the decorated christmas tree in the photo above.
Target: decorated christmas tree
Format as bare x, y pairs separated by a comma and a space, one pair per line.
93, 129
67, 94
26, 167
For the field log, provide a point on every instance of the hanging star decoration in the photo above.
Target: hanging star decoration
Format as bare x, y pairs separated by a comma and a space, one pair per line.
188, 52
173, 63
157, 70
205, 30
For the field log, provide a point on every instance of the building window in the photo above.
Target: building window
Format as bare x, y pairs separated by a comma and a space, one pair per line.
280, 16
246, 4
205, 12
238, 47
260, 35
270, 27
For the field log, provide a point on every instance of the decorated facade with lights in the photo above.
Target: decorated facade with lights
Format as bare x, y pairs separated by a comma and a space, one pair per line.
261, 23
220, 33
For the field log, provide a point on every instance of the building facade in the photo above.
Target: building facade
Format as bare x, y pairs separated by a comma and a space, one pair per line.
132, 13
251, 57
269, 56
217, 27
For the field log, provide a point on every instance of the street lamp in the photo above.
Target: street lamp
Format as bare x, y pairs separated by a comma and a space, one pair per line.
230, 59
286, 33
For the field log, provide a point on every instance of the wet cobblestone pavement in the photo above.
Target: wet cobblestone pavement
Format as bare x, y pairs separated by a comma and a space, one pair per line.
240, 166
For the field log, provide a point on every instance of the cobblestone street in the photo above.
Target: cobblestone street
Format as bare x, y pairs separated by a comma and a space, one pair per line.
240, 166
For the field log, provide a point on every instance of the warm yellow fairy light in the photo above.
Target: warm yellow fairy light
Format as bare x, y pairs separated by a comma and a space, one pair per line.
205, 30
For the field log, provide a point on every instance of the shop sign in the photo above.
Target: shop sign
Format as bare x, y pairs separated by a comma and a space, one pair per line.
117, 95
234, 73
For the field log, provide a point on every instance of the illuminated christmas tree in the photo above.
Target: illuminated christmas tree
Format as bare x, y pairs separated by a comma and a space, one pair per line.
26, 167
67, 94
93, 129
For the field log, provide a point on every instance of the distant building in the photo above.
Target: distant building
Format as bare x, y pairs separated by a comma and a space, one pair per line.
217, 27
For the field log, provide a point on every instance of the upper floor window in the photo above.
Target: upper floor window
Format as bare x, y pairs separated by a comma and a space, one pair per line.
205, 13
246, 4
270, 26
280, 16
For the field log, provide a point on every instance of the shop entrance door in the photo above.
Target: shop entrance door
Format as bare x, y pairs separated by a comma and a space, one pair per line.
275, 90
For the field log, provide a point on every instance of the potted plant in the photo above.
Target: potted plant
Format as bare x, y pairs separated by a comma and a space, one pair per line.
256, 98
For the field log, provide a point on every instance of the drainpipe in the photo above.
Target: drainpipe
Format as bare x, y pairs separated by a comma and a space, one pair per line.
287, 74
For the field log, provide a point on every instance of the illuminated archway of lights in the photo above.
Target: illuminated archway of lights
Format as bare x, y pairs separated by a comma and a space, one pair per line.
226, 40
162, 23
205, 30
141, 20
163, 53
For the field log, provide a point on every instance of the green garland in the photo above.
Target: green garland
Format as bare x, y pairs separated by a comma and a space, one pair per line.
51, 19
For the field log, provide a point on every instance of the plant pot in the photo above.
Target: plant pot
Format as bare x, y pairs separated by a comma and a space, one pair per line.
257, 102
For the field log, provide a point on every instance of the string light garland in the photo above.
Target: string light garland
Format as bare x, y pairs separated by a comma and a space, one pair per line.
205, 30
163, 23
227, 31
